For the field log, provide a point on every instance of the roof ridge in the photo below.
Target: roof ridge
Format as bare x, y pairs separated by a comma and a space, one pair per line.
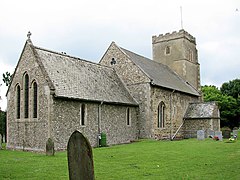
124, 49
62, 54
70, 56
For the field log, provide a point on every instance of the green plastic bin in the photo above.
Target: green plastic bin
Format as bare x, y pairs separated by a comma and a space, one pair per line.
103, 140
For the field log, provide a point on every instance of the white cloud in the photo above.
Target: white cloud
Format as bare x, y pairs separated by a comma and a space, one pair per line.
85, 28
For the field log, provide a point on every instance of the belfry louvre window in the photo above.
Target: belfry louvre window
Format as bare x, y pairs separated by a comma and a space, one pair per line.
82, 114
35, 100
18, 103
167, 50
161, 114
26, 95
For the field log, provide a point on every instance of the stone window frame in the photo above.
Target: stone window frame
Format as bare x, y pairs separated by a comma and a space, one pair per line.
35, 98
128, 116
26, 94
168, 50
83, 114
161, 115
18, 101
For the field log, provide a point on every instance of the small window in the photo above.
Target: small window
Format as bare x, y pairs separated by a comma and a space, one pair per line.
167, 50
82, 115
18, 104
26, 95
161, 115
35, 100
128, 116
113, 61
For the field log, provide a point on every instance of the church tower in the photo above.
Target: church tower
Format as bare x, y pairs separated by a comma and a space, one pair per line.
178, 51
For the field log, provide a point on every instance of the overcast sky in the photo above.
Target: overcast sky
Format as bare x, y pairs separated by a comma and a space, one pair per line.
85, 28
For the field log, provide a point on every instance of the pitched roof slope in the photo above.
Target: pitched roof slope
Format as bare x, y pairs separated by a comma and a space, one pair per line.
80, 79
161, 74
202, 110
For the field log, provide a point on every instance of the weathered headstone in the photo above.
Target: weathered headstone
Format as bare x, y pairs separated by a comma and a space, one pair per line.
226, 133
80, 158
219, 135
200, 135
211, 133
235, 134
0, 141
50, 147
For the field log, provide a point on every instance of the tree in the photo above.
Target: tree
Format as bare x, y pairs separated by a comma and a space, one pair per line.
7, 78
231, 88
3, 123
228, 106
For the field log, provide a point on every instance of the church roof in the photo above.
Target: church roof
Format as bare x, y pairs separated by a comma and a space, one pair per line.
202, 111
80, 79
160, 74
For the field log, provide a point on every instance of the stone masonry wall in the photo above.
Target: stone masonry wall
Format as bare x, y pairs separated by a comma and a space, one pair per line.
191, 126
176, 104
110, 119
27, 133
136, 82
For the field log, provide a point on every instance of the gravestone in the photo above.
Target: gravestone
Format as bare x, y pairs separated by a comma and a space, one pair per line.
226, 133
211, 133
219, 135
0, 141
80, 158
50, 147
200, 135
235, 133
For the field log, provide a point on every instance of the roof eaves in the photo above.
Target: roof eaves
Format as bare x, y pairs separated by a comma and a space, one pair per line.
95, 101
170, 88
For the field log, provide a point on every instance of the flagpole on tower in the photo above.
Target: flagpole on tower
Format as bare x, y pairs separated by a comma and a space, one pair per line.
181, 17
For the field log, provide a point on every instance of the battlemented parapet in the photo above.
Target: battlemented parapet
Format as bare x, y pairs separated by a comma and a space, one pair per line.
174, 35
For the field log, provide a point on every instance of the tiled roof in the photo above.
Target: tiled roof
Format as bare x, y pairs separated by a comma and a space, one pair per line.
202, 110
80, 79
161, 75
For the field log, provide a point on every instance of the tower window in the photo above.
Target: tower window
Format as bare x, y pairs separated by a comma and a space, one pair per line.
167, 50
161, 114
18, 101
35, 99
26, 95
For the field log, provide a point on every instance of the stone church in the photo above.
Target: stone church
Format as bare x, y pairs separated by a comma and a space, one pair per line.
125, 95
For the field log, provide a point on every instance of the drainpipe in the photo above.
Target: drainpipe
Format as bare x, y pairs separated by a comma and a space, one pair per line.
171, 108
99, 122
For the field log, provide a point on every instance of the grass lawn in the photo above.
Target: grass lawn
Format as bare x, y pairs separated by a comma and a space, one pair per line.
147, 159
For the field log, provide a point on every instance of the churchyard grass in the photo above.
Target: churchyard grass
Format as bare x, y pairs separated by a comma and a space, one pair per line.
146, 159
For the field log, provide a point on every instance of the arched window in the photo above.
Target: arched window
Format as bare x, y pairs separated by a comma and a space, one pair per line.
35, 99
161, 115
18, 102
26, 95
